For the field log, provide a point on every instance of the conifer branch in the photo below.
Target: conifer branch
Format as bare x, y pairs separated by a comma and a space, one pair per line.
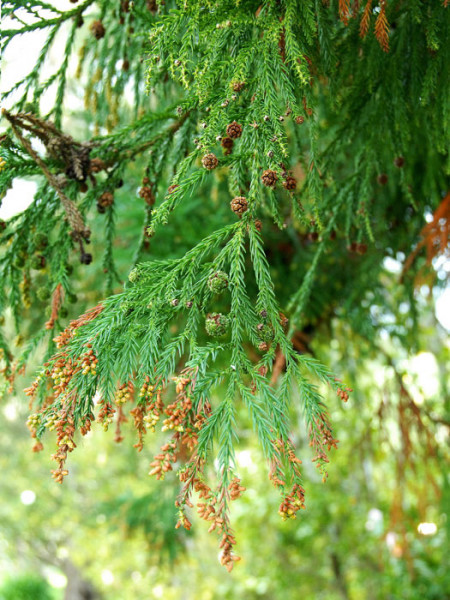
267, 202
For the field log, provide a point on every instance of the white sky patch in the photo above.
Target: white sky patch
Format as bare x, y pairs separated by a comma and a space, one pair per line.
443, 308
107, 577
102, 458
62, 552
374, 520
392, 265
427, 528
27, 497
10, 412
158, 591
426, 370
441, 435
391, 539
244, 460
18, 198
57, 580
442, 262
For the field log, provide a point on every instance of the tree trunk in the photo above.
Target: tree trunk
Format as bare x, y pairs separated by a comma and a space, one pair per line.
78, 588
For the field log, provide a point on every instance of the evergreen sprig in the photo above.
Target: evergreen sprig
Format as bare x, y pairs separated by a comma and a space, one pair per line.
305, 121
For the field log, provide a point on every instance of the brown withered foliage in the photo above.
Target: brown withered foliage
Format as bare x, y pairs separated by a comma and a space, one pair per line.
435, 237
57, 298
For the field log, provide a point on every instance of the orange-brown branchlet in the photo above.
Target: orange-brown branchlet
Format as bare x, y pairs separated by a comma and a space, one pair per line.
162, 463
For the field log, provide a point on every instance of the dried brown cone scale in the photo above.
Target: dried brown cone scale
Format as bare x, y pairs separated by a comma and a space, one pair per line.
209, 161
238, 86
269, 178
106, 199
234, 130
239, 205
146, 194
56, 146
227, 144
290, 183
98, 30
96, 165
78, 163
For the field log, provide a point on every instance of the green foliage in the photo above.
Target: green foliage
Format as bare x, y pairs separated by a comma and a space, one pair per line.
26, 587
166, 543
330, 152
